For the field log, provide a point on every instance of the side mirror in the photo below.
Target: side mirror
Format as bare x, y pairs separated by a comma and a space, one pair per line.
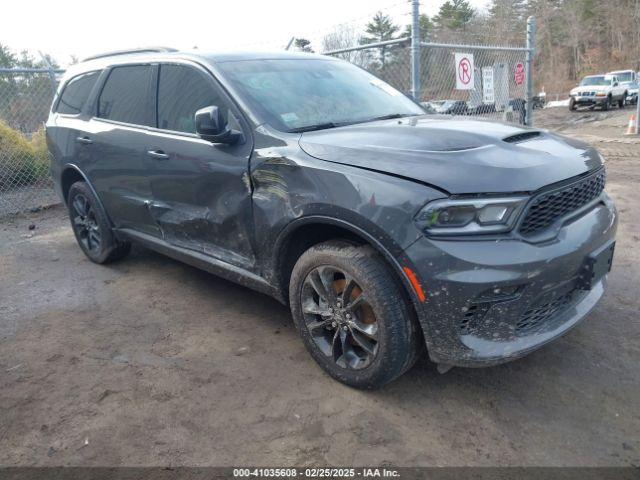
615, 84
211, 126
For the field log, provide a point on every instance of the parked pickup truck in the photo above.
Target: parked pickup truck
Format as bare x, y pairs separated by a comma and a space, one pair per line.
600, 90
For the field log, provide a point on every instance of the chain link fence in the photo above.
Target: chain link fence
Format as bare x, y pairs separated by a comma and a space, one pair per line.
390, 61
474, 80
454, 79
25, 98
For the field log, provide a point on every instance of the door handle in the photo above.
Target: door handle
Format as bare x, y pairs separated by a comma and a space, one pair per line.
84, 140
157, 154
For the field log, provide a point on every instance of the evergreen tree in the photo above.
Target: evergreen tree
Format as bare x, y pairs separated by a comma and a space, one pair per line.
425, 27
454, 15
303, 45
380, 29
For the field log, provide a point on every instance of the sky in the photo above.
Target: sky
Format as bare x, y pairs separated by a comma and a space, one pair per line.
63, 28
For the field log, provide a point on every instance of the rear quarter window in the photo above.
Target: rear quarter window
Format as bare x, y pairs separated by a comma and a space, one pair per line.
76, 92
125, 96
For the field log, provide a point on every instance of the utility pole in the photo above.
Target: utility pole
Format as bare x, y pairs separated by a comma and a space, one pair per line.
531, 45
415, 50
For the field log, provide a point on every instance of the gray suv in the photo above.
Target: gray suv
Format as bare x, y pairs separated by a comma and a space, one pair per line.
386, 231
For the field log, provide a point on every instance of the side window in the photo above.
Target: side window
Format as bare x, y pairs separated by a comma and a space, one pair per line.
125, 96
182, 91
76, 92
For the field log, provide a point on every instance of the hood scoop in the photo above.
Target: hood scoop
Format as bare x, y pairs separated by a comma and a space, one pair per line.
521, 137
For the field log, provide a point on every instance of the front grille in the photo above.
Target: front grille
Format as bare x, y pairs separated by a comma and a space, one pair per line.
536, 317
548, 207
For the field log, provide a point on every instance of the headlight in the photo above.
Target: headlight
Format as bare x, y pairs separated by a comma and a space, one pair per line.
469, 216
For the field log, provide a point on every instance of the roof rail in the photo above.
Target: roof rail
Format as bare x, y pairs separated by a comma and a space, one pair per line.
132, 50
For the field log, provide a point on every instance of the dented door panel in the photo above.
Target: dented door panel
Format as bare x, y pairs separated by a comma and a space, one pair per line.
201, 198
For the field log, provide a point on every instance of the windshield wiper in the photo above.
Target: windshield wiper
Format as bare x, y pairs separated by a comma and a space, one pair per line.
324, 126
319, 126
391, 116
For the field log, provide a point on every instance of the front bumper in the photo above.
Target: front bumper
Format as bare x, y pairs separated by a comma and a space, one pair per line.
491, 301
588, 100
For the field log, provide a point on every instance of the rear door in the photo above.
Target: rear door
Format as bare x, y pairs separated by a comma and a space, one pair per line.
67, 126
119, 167
201, 191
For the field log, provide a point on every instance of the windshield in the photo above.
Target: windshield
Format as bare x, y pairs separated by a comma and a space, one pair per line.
295, 95
595, 81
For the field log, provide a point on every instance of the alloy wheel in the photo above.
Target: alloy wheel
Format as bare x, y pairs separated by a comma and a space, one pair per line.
85, 224
339, 317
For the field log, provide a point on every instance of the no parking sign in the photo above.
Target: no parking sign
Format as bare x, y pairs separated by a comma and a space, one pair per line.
464, 71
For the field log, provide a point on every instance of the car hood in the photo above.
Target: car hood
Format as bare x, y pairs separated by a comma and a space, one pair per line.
458, 156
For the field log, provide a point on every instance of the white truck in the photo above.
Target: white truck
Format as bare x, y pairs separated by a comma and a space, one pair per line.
598, 90
630, 79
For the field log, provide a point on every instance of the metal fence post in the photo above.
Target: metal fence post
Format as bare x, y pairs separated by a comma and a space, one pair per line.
51, 72
531, 44
415, 50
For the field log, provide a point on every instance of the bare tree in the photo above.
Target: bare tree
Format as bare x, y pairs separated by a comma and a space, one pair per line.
346, 36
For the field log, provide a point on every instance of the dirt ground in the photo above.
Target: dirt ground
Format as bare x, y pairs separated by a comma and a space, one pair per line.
151, 362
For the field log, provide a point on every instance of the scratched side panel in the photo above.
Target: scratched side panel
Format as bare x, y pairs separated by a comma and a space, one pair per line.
289, 185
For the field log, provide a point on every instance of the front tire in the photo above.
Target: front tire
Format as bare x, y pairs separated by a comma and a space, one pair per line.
352, 315
572, 105
91, 226
607, 104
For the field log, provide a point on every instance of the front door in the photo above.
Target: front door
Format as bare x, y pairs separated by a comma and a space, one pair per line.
201, 195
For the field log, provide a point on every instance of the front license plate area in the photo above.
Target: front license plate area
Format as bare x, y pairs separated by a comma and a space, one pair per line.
596, 266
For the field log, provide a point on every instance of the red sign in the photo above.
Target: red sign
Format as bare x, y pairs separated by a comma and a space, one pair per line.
518, 75
464, 71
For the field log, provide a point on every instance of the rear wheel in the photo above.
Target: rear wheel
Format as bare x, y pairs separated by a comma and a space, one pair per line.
623, 101
91, 227
352, 316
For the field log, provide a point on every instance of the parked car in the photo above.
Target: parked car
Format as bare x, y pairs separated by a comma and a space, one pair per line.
632, 93
482, 109
539, 101
598, 90
453, 107
304, 177
429, 107
519, 105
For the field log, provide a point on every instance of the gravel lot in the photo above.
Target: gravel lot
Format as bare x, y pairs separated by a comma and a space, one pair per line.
151, 362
